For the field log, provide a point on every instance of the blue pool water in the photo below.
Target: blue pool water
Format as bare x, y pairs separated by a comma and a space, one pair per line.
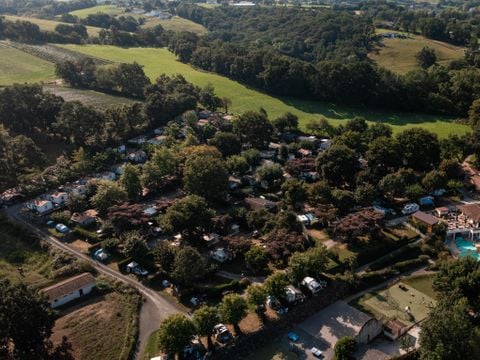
466, 248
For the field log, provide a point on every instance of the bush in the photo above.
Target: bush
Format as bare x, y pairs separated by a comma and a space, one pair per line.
61, 217
89, 235
344, 348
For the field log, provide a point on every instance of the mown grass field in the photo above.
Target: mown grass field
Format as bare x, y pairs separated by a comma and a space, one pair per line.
19, 67
48, 25
158, 61
88, 97
176, 23
398, 55
107, 9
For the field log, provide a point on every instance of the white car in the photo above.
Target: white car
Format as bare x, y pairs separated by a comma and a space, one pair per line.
410, 208
316, 352
62, 228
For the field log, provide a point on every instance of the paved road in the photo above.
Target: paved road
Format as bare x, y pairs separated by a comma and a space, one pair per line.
155, 309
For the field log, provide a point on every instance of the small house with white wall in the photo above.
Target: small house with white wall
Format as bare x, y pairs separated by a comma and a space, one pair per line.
56, 197
69, 289
40, 206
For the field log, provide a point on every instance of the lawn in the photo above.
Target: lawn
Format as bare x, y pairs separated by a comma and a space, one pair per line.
176, 23
107, 9
48, 25
398, 55
158, 61
19, 67
391, 303
88, 97
102, 327
423, 283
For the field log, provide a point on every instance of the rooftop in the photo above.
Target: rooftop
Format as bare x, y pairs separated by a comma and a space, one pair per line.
68, 286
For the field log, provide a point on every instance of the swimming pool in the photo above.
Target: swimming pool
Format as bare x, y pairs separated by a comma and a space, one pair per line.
467, 248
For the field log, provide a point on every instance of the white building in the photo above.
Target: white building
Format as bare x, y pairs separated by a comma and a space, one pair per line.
57, 197
69, 289
40, 206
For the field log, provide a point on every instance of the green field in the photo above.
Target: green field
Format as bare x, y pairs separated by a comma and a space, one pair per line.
158, 61
176, 23
87, 97
19, 67
391, 303
107, 9
423, 283
398, 55
48, 25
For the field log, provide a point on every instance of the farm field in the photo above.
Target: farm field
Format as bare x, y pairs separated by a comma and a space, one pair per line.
107, 9
48, 25
176, 23
99, 328
158, 61
87, 97
392, 302
19, 67
398, 55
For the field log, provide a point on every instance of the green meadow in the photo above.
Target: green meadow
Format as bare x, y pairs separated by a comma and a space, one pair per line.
158, 61
107, 9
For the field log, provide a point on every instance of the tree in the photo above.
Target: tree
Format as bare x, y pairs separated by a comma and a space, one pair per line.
130, 79
237, 164
190, 216
420, 147
164, 255
188, 267
233, 309
208, 98
256, 295
271, 174
226, 103
337, 165
434, 180
287, 121
392, 185
321, 128
343, 200
383, 155
319, 193
26, 325
252, 156
205, 174
175, 333
254, 129
134, 245
227, 143
344, 348
108, 193
127, 216
310, 263
256, 259
474, 113
275, 284
447, 326
164, 162
414, 191
426, 57
130, 180
205, 318
365, 194
294, 191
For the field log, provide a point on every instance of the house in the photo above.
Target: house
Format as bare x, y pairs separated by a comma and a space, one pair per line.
255, 203
79, 188
40, 206
150, 211
221, 255
157, 140
88, 217
394, 328
268, 154
442, 211
11, 196
139, 140
325, 144
307, 219
425, 219
120, 149
305, 152
69, 289
204, 114
56, 197
211, 239
118, 169
136, 156
309, 176
234, 183
310, 139
234, 229
472, 214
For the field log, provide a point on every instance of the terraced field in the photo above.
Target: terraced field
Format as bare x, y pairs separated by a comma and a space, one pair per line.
158, 61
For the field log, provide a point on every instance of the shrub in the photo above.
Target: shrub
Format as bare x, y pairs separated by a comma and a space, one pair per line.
89, 235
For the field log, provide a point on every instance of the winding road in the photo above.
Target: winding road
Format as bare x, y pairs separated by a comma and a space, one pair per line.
154, 310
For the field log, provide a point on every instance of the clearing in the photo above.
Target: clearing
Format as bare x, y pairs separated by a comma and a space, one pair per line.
102, 327
176, 23
159, 61
19, 67
87, 97
398, 55
106, 9
392, 302
48, 25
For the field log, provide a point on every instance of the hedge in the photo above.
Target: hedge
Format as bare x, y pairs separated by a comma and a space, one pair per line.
411, 264
405, 253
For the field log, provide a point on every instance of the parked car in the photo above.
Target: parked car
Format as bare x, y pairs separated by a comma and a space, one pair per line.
134, 268
101, 255
292, 336
312, 285
62, 228
410, 208
316, 352
222, 334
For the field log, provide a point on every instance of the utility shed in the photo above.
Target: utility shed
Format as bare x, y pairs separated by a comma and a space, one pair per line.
69, 289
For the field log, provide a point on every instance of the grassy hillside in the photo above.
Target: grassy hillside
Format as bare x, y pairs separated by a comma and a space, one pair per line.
19, 67
107, 9
176, 23
158, 61
48, 25
398, 55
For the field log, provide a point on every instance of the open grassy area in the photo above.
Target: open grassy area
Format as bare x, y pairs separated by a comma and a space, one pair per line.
48, 25
423, 283
19, 67
158, 61
101, 327
88, 97
176, 23
107, 9
398, 55
392, 302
